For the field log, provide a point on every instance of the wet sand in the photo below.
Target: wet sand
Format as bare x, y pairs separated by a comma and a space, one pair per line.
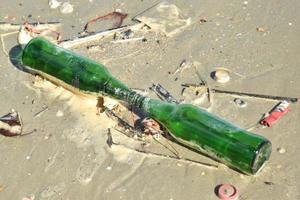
67, 157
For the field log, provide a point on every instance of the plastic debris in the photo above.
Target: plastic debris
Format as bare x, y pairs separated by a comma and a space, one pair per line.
276, 113
164, 17
228, 192
163, 93
11, 124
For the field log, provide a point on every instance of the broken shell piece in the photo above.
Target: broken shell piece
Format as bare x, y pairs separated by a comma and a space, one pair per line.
221, 75
260, 29
11, 124
281, 150
66, 8
54, 4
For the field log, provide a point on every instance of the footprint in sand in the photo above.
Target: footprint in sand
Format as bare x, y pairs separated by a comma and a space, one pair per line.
88, 169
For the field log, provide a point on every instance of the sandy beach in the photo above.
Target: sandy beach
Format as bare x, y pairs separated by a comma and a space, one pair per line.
66, 155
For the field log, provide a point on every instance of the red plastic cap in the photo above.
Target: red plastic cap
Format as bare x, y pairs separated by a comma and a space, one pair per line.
228, 192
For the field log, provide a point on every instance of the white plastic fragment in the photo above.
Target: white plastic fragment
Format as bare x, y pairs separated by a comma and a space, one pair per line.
53, 4
166, 18
24, 36
66, 8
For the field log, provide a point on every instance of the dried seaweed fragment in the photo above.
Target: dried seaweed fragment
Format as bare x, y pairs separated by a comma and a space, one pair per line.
118, 16
11, 124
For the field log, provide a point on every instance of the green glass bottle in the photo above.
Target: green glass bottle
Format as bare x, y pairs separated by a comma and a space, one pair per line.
188, 124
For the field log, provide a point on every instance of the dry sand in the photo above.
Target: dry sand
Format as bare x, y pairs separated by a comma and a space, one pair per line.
68, 158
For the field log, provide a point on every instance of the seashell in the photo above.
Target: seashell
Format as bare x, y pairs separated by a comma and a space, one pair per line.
221, 75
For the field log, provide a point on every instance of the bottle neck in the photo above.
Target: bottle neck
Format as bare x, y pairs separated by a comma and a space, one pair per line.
126, 94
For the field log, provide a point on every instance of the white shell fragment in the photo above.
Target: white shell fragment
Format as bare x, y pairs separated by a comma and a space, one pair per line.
221, 75
53, 4
66, 8
281, 150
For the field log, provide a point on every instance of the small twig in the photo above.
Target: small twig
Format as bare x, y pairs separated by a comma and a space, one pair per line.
175, 152
40, 112
28, 133
16, 26
127, 40
204, 82
145, 10
183, 65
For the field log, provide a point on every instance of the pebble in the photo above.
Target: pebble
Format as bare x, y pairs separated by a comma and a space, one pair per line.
278, 166
66, 8
59, 113
239, 102
281, 150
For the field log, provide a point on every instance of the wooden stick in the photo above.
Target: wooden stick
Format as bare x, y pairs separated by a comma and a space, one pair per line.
263, 96
13, 27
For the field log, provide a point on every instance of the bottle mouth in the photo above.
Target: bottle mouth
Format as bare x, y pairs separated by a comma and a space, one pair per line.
262, 155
